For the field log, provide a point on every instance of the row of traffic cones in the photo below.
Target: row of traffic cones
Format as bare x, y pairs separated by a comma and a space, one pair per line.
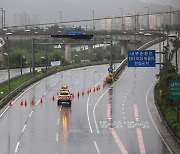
88, 91
97, 88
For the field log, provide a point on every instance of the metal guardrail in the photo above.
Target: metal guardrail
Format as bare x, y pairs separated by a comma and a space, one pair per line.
13, 93
1, 42
19, 89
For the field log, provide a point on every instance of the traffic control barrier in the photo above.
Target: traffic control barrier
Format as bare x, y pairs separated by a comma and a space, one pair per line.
25, 103
21, 103
83, 93
78, 94
53, 99
72, 96
88, 92
32, 102
41, 101
10, 104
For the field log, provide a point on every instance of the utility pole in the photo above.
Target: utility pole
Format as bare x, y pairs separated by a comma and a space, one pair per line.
147, 17
122, 18
4, 18
33, 58
93, 20
60, 13
170, 17
2, 11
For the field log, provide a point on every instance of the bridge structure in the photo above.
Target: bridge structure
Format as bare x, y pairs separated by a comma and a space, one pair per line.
99, 37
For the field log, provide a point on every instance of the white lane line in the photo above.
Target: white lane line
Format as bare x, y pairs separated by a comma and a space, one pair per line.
45, 93
24, 128
4, 111
57, 137
153, 120
58, 121
17, 98
53, 85
31, 114
88, 114
38, 102
97, 148
17, 146
87, 107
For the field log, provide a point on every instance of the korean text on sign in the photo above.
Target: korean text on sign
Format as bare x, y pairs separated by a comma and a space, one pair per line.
141, 58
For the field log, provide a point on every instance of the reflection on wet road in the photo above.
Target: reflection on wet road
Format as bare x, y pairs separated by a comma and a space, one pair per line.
103, 118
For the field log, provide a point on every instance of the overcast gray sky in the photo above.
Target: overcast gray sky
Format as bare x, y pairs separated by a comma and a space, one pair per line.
48, 10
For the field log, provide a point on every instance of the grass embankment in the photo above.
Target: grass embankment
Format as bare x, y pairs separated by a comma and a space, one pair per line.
14, 83
167, 106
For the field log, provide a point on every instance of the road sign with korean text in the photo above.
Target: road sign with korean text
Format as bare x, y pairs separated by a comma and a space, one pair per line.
174, 86
75, 32
141, 58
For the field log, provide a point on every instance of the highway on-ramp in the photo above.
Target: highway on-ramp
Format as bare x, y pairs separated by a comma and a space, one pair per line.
103, 118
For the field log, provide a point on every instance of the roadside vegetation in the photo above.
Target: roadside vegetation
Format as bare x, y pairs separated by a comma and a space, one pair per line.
14, 83
167, 106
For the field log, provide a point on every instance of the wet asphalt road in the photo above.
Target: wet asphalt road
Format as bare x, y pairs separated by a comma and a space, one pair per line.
114, 119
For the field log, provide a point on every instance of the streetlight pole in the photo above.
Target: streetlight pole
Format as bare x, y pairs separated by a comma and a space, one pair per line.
27, 30
93, 20
122, 18
46, 29
147, 17
21, 51
60, 13
1, 9
4, 18
7, 45
170, 16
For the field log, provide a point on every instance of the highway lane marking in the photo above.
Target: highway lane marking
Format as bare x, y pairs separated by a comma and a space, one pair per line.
17, 146
24, 128
45, 93
140, 141
97, 148
94, 108
4, 111
18, 98
57, 137
153, 120
31, 114
118, 141
58, 121
87, 107
136, 114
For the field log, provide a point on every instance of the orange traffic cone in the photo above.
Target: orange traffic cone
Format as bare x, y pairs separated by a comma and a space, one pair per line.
41, 101
10, 104
21, 103
25, 103
83, 93
53, 98
72, 96
78, 94
32, 102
